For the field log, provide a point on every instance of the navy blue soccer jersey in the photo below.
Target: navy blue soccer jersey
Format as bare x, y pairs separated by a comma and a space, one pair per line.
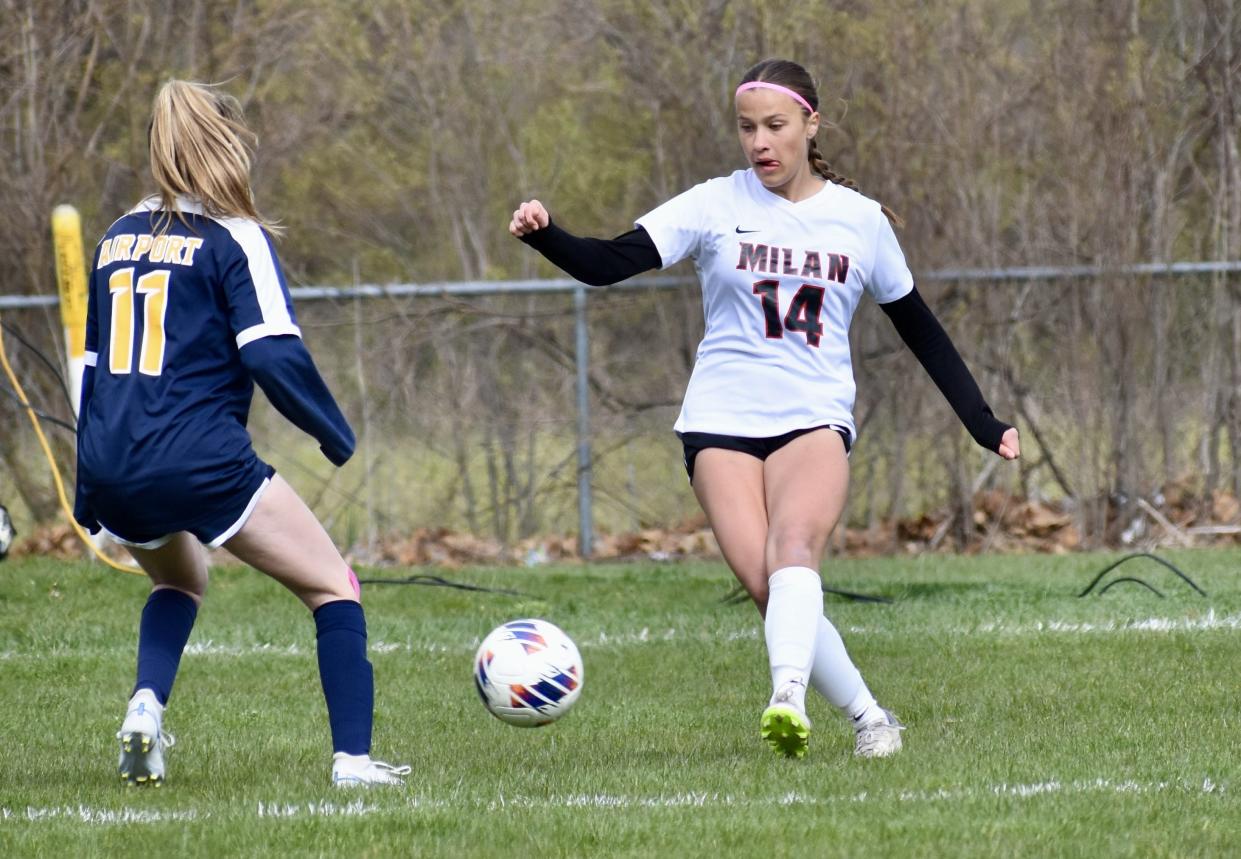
180, 323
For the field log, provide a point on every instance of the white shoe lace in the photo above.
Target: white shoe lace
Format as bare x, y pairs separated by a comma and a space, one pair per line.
166, 740
390, 769
375, 772
786, 694
879, 738
791, 694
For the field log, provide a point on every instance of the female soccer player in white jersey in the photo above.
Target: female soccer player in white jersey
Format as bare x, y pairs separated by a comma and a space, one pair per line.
187, 309
784, 250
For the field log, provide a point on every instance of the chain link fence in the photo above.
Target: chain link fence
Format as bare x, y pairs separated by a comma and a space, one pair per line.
521, 408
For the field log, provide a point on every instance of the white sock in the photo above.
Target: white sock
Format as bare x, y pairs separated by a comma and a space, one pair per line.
836, 678
794, 607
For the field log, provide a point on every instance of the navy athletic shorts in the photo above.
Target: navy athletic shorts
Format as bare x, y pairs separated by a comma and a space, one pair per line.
210, 504
761, 448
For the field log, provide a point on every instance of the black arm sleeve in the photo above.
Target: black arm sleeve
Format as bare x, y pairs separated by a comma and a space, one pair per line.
927, 339
598, 262
285, 371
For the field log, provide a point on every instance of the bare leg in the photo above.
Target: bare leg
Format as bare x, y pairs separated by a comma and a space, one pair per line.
180, 564
806, 483
283, 539
729, 486
773, 514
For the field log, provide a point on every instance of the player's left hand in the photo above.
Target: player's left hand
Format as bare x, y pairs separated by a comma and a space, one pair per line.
1010, 444
528, 217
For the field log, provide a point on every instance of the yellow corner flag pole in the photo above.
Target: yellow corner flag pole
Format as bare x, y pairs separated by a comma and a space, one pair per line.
71, 279
47, 451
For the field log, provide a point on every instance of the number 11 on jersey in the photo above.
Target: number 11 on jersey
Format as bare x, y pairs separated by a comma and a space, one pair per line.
153, 287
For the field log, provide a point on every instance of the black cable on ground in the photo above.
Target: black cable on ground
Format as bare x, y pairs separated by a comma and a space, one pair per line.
1171, 566
47, 362
441, 582
1136, 581
856, 597
738, 595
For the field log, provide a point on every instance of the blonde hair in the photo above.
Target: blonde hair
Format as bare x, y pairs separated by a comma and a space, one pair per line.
201, 148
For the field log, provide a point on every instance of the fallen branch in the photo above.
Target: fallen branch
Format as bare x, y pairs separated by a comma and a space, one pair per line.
1176, 532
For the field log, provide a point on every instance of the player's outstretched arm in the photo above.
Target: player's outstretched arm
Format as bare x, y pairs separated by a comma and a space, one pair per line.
283, 368
929, 342
597, 262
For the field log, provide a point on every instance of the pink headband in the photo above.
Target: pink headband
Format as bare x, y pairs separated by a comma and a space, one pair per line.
764, 85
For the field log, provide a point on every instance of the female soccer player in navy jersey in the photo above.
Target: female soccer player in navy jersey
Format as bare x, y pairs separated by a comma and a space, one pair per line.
187, 309
784, 251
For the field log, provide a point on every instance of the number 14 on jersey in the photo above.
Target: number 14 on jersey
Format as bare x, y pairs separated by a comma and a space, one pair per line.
803, 314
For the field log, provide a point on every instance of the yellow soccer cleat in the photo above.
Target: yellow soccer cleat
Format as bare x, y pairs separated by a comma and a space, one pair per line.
784, 726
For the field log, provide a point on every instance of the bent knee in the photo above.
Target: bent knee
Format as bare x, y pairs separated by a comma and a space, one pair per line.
760, 603
313, 601
194, 590
794, 547
331, 589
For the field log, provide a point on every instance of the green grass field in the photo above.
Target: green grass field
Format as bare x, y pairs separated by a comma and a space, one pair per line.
1039, 723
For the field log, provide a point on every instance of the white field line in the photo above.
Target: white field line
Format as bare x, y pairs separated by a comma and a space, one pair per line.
953, 794
96, 816
519, 802
1208, 622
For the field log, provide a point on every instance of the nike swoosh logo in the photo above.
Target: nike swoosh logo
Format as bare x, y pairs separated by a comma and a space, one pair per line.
746, 231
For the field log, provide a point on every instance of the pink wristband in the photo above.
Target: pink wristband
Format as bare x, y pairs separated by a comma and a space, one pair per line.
765, 85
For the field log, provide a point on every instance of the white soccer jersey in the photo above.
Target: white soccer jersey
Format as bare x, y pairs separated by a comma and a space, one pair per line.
780, 282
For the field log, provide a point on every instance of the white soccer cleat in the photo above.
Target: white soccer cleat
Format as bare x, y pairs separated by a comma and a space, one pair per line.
361, 771
785, 725
143, 741
880, 738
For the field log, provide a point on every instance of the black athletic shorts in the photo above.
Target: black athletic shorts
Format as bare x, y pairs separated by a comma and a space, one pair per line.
146, 512
696, 442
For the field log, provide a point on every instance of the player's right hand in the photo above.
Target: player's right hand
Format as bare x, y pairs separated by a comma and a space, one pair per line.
1010, 444
528, 217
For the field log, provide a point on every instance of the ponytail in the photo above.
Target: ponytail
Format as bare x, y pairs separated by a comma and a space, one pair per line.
201, 148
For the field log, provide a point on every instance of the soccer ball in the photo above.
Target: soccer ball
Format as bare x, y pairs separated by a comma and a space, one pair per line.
6, 532
528, 672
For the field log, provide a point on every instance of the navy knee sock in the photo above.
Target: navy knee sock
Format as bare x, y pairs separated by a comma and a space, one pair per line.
167, 619
348, 681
